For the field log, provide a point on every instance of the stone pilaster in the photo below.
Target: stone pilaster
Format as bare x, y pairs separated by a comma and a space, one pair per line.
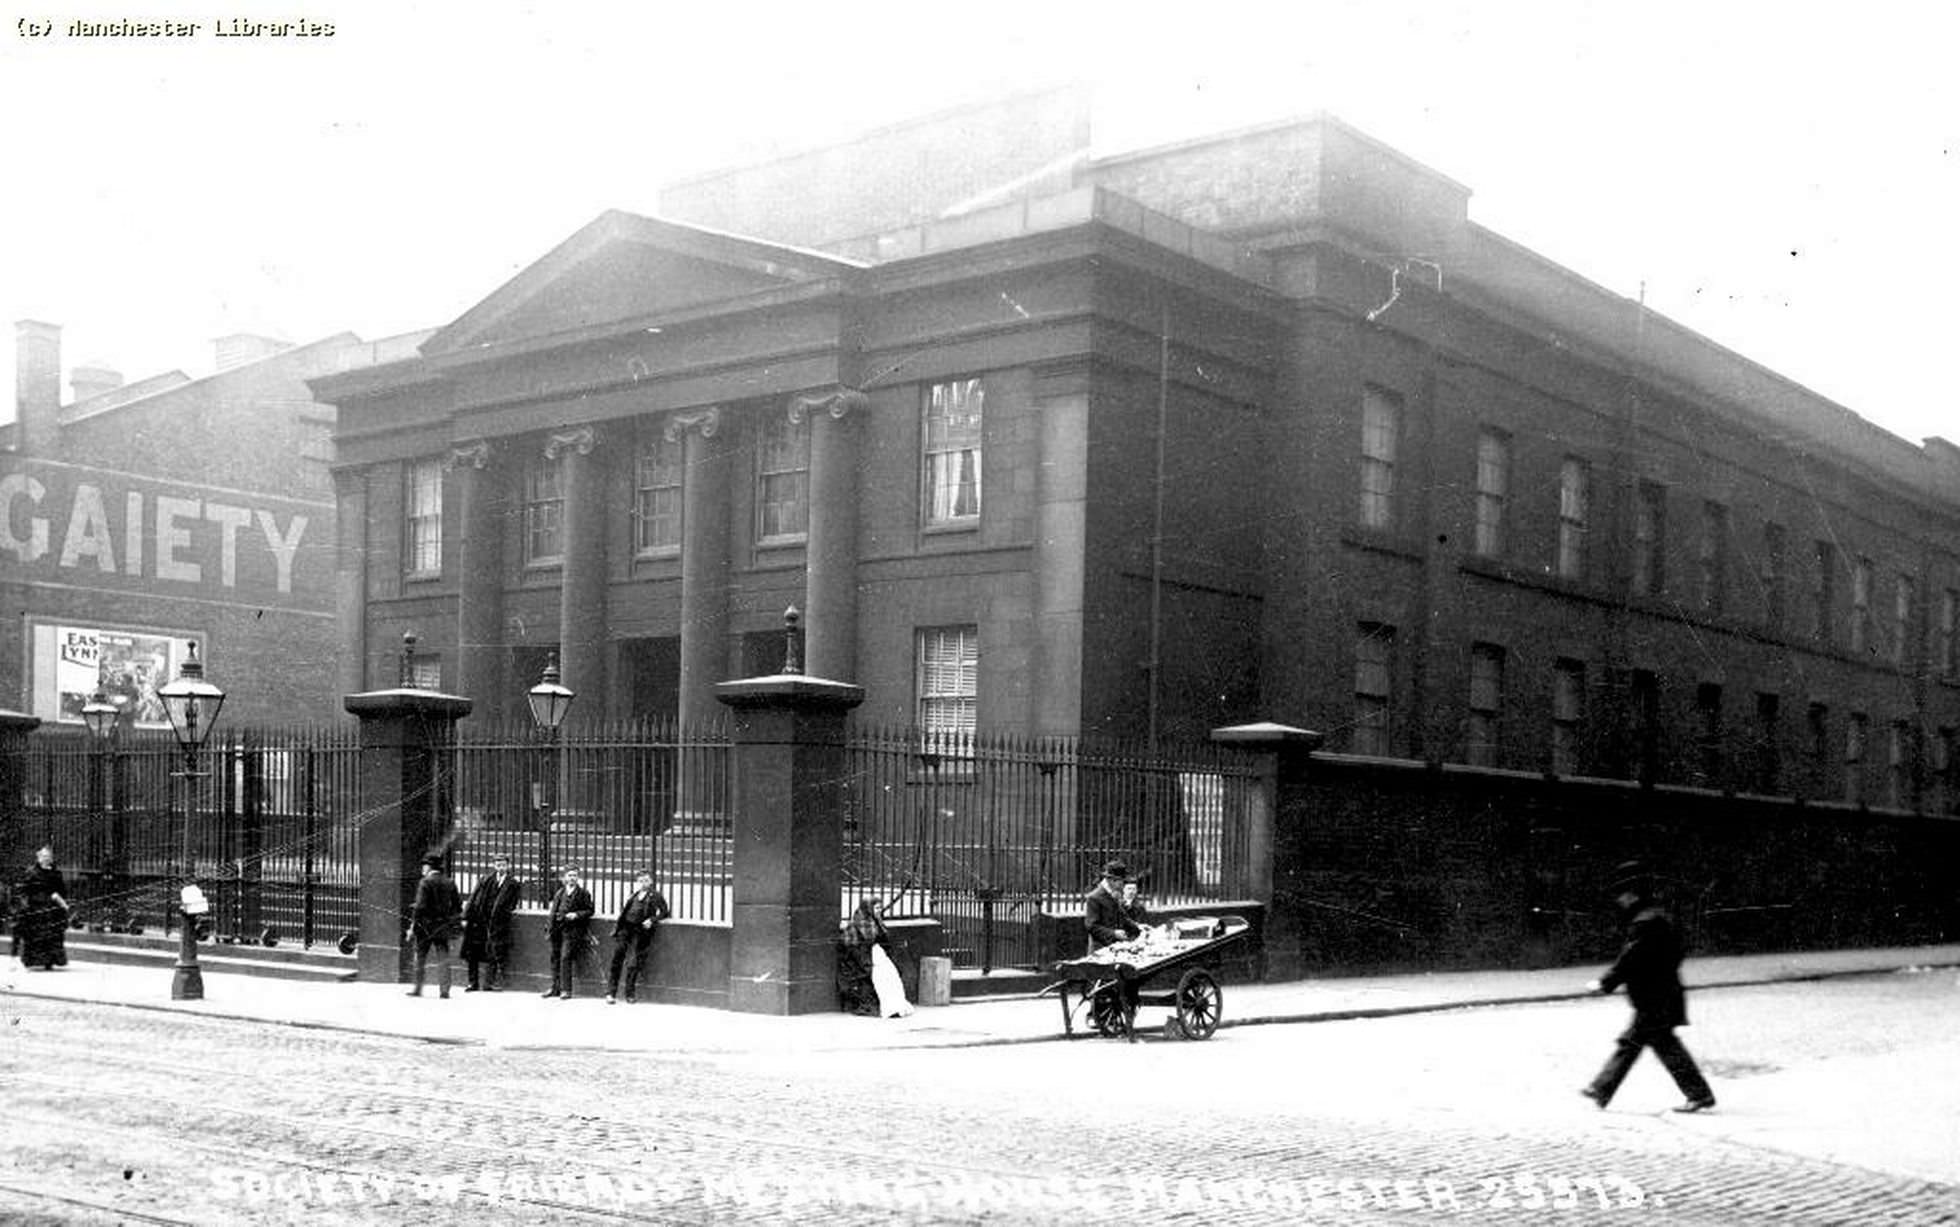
790, 766
704, 558
483, 499
407, 761
582, 582
830, 600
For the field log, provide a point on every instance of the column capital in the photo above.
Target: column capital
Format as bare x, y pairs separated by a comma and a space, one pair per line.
475, 454
581, 439
707, 421
837, 402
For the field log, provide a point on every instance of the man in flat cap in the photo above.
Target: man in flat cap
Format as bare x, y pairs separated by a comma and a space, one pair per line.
1650, 967
1102, 909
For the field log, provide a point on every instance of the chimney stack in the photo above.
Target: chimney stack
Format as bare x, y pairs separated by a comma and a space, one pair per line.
37, 385
91, 381
238, 348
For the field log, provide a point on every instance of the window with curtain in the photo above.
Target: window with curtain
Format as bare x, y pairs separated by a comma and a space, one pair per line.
783, 478
954, 416
422, 498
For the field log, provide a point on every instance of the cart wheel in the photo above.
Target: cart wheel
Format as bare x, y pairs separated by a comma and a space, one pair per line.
1199, 1005
1106, 1011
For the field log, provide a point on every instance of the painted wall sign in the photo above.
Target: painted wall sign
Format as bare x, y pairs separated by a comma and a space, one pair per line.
56, 518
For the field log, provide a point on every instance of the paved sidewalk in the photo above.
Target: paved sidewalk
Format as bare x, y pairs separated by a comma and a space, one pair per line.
524, 1020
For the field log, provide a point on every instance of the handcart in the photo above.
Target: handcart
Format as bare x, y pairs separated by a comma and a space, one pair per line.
1183, 954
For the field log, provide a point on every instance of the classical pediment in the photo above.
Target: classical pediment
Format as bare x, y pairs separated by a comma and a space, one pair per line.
624, 267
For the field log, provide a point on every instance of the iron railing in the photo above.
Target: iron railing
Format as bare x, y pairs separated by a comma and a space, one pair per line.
607, 799
985, 833
269, 827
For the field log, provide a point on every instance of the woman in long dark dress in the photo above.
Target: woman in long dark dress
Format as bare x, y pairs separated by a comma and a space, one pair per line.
42, 926
855, 992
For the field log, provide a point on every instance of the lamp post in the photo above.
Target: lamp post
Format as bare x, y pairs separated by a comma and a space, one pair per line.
192, 705
550, 701
101, 717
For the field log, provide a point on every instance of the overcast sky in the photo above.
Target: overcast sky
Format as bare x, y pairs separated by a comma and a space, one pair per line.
1781, 177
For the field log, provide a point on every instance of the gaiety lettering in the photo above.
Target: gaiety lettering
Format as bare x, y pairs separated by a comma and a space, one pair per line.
165, 536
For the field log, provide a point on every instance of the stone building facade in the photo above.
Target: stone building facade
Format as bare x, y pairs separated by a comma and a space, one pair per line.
1257, 426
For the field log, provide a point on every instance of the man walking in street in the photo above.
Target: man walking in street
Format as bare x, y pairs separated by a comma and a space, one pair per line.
432, 922
1650, 967
633, 934
571, 920
486, 924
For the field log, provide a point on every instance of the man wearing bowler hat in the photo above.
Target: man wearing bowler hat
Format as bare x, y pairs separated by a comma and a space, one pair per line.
1650, 967
1102, 909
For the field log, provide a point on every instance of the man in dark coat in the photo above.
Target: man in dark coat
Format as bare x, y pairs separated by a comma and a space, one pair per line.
41, 926
1102, 909
571, 920
432, 923
1650, 967
633, 934
486, 924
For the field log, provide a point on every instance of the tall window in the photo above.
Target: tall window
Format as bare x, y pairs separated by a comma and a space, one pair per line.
1649, 539
1713, 555
1708, 738
544, 510
1568, 714
1817, 743
1943, 649
1493, 490
1775, 574
952, 438
1481, 741
1646, 700
1856, 733
1898, 766
1823, 625
1373, 647
1769, 743
1945, 771
949, 685
783, 478
1861, 605
1574, 495
657, 469
422, 500
1902, 597
1381, 423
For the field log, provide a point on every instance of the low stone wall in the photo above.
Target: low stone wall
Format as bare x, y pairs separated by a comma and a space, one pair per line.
688, 964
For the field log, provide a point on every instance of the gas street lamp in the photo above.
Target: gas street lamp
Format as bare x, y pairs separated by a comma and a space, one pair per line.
192, 704
101, 717
550, 701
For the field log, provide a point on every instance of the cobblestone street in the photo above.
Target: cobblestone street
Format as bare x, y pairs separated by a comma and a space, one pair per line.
135, 1116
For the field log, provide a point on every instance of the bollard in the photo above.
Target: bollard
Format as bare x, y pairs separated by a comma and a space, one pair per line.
935, 981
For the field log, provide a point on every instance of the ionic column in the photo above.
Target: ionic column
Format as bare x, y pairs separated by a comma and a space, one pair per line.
704, 559
830, 599
582, 581
481, 503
